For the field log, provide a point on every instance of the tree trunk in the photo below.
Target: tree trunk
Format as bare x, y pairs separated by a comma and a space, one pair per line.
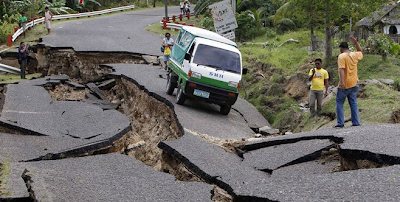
313, 39
154, 3
328, 45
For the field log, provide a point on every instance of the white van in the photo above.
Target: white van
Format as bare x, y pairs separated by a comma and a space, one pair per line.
205, 66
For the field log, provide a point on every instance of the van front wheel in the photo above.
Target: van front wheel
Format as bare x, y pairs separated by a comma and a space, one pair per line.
225, 109
170, 84
180, 96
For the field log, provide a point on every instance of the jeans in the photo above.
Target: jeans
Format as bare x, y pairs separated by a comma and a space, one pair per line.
319, 96
351, 94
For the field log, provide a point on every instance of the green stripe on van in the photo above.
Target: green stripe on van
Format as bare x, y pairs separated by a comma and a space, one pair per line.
175, 68
203, 80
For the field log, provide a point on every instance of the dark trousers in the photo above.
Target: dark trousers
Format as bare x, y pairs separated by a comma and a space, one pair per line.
23, 65
317, 95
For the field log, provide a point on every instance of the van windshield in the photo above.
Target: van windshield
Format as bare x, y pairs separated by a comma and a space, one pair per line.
217, 58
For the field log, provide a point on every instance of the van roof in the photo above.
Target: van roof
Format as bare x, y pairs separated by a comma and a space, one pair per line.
217, 44
208, 35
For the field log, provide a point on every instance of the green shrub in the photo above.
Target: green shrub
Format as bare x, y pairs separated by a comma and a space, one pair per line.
6, 29
285, 25
270, 33
395, 49
378, 44
207, 23
248, 26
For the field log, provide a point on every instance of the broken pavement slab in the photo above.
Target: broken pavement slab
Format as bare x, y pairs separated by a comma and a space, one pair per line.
97, 92
215, 165
274, 157
377, 143
29, 110
15, 148
61, 78
153, 60
75, 85
109, 177
266, 130
107, 84
252, 116
31, 107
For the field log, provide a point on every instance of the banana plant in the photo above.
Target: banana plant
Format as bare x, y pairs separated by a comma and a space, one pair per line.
88, 5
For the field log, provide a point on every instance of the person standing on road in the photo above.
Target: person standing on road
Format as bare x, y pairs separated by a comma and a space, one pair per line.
187, 7
48, 16
22, 22
168, 42
23, 54
319, 78
348, 82
182, 6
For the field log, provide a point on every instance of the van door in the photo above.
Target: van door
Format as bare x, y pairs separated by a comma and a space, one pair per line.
186, 63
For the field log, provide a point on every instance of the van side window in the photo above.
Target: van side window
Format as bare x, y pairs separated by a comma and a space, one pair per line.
184, 42
179, 37
192, 48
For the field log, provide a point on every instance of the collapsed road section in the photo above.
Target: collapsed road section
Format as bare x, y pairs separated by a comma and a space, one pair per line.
76, 121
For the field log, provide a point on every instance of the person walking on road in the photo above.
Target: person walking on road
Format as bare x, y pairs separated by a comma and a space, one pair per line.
23, 53
348, 82
319, 79
47, 18
167, 43
22, 22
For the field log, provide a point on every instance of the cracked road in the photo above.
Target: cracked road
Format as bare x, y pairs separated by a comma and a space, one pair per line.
74, 151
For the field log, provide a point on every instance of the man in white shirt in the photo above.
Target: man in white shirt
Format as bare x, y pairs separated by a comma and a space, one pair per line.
181, 6
47, 19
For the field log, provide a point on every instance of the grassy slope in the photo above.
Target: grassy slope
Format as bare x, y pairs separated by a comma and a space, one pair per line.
4, 172
376, 107
11, 78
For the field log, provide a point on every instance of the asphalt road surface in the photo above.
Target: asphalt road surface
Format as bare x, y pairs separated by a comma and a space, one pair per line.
123, 32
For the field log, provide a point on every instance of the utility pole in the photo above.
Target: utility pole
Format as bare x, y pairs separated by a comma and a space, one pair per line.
33, 12
166, 9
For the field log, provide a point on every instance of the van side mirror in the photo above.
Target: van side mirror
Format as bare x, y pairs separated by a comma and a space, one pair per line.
245, 70
187, 56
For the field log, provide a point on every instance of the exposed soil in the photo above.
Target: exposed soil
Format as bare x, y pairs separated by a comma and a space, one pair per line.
329, 157
152, 121
81, 65
63, 92
355, 164
220, 195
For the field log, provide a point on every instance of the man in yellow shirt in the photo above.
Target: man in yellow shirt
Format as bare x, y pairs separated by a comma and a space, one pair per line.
348, 82
319, 78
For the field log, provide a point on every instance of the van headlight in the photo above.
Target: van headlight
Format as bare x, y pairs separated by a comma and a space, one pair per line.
196, 75
233, 84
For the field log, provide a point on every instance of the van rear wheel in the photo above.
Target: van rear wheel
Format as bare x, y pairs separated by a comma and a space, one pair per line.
170, 84
180, 96
225, 109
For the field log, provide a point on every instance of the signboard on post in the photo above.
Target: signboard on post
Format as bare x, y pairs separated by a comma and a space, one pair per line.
223, 16
229, 35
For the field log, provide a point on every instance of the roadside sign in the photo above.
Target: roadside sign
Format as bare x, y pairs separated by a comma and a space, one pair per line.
223, 16
229, 35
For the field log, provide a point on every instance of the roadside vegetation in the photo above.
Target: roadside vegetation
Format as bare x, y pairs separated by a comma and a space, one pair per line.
4, 172
279, 40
